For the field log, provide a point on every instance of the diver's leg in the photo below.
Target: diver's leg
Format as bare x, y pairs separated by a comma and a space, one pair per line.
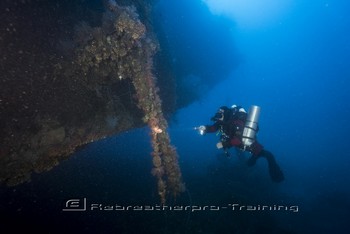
256, 149
275, 171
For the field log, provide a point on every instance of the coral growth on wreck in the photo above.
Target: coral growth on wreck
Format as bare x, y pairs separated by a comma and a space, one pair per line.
65, 84
122, 49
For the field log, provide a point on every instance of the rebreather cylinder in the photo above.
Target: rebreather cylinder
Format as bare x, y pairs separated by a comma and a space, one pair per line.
251, 126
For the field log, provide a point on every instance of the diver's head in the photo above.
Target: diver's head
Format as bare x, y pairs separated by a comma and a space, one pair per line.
220, 114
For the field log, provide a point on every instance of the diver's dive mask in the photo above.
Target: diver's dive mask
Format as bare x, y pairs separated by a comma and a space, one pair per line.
219, 116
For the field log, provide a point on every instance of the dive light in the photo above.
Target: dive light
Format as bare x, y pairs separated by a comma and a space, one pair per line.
201, 129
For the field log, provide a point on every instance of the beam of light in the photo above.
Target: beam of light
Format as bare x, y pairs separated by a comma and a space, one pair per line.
250, 13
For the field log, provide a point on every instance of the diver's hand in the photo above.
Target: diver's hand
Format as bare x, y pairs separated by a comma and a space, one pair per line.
201, 129
219, 145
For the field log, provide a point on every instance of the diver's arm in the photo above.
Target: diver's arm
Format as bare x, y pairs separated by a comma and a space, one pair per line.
211, 128
208, 128
203, 129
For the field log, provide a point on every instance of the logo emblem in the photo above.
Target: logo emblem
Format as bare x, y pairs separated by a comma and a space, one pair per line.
75, 205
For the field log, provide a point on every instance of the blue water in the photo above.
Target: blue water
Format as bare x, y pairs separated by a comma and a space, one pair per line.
296, 69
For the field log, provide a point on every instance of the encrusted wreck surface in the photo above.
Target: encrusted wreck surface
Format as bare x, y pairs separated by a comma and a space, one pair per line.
66, 73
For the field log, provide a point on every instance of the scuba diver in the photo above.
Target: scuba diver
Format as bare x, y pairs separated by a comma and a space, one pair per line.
238, 129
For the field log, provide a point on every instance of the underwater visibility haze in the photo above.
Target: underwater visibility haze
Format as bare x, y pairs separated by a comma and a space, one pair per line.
290, 58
